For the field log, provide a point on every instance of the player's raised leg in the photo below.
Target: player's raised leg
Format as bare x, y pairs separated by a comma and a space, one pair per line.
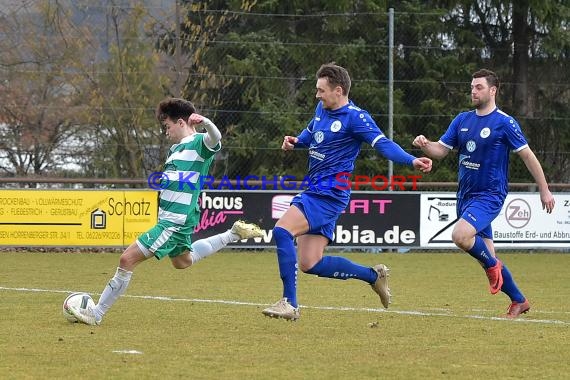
208, 246
312, 261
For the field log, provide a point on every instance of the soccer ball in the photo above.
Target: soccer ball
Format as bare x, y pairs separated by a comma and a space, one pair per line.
79, 300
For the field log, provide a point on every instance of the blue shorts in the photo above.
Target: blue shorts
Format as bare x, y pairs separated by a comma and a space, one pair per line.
320, 210
480, 211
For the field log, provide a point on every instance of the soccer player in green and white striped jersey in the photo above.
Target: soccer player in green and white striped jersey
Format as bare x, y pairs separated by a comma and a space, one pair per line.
188, 159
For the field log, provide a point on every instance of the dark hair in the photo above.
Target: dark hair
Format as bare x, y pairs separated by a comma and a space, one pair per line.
336, 75
491, 78
174, 108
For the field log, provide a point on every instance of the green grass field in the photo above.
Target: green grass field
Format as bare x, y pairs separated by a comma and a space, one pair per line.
206, 322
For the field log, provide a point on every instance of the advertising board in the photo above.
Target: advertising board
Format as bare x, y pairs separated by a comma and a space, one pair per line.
75, 218
372, 219
522, 222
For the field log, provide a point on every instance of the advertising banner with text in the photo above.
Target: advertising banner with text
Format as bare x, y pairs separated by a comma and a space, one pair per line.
115, 218
372, 219
75, 218
522, 222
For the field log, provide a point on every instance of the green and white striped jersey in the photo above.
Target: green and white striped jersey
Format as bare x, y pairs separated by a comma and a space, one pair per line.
187, 162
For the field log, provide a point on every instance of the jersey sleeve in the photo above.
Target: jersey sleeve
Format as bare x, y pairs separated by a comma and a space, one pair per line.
393, 152
514, 136
203, 149
364, 128
306, 134
449, 138
304, 138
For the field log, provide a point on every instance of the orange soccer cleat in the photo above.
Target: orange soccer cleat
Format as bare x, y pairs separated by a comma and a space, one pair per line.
495, 277
516, 309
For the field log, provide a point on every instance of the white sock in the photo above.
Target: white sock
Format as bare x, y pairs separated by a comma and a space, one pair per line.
114, 289
205, 247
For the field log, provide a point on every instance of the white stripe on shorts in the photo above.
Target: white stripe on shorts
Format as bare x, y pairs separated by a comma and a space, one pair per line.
163, 238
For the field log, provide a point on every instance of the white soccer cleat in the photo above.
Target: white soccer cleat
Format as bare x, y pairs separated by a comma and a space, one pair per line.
381, 285
86, 316
246, 230
282, 309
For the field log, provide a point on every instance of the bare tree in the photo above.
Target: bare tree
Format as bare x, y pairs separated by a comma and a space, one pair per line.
41, 94
125, 89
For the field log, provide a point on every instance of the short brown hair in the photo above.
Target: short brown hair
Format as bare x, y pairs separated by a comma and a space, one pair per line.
490, 76
174, 108
336, 75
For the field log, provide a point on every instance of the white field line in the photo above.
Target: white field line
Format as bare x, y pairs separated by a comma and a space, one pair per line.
436, 313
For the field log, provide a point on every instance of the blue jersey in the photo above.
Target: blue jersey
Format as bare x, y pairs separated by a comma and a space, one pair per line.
334, 138
484, 144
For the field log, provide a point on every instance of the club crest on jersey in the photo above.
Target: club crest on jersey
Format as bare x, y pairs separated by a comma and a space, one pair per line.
319, 137
485, 132
471, 146
336, 126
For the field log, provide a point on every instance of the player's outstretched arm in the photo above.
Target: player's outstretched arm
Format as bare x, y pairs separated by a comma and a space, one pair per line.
535, 169
394, 152
213, 134
430, 148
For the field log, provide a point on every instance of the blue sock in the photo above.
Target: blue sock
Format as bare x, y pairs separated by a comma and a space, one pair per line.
342, 269
287, 258
481, 253
510, 288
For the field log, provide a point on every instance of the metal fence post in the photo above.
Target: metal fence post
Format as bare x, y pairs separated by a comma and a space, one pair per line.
390, 84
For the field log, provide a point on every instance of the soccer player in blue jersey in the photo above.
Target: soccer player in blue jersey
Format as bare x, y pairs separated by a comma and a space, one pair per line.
189, 157
483, 138
333, 137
